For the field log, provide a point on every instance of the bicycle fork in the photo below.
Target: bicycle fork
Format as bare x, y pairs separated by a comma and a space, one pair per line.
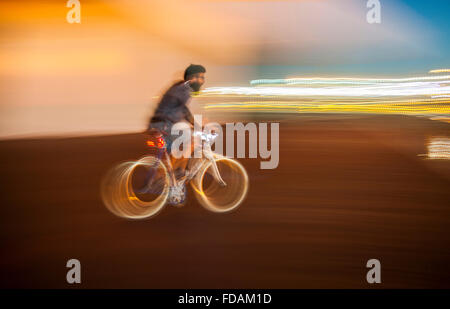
216, 174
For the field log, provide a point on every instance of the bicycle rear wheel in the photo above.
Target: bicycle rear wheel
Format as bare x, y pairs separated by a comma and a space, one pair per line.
119, 188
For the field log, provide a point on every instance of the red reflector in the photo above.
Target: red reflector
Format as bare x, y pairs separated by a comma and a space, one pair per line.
161, 142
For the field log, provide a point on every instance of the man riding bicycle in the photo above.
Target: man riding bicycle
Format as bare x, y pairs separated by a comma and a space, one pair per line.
173, 105
140, 189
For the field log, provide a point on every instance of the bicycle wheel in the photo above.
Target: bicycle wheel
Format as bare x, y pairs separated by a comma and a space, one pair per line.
119, 194
216, 198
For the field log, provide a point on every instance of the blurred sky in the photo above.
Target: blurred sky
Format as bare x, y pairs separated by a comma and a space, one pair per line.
100, 76
414, 36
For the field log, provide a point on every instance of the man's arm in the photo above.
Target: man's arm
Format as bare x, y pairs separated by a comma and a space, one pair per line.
188, 115
189, 118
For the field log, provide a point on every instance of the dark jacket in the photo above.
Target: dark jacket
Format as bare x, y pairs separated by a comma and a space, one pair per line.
172, 107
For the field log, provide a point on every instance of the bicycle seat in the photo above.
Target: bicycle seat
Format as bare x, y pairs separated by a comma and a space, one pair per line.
154, 132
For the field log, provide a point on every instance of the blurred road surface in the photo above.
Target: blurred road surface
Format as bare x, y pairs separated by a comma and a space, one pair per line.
347, 189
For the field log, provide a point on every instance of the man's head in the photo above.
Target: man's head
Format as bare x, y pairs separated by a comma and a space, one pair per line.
195, 74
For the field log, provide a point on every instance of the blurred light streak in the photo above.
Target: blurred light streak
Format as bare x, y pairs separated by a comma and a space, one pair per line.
439, 148
413, 96
439, 71
343, 80
281, 106
417, 90
441, 118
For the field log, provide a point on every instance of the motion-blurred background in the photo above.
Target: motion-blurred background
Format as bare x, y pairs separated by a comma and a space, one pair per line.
104, 74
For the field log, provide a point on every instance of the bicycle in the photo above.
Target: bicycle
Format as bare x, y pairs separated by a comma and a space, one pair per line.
220, 184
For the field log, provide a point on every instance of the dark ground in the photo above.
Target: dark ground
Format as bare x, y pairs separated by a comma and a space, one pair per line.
347, 189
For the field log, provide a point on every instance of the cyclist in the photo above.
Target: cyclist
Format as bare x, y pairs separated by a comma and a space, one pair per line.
173, 105
173, 108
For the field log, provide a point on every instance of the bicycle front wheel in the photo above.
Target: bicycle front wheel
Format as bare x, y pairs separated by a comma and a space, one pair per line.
215, 197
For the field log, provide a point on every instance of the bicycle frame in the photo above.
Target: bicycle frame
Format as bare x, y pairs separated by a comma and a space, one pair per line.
208, 155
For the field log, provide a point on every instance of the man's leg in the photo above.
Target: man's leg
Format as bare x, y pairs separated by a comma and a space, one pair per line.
194, 163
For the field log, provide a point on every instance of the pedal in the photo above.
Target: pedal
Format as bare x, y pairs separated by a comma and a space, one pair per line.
177, 195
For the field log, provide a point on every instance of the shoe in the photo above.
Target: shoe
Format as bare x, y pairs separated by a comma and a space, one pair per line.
177, 195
